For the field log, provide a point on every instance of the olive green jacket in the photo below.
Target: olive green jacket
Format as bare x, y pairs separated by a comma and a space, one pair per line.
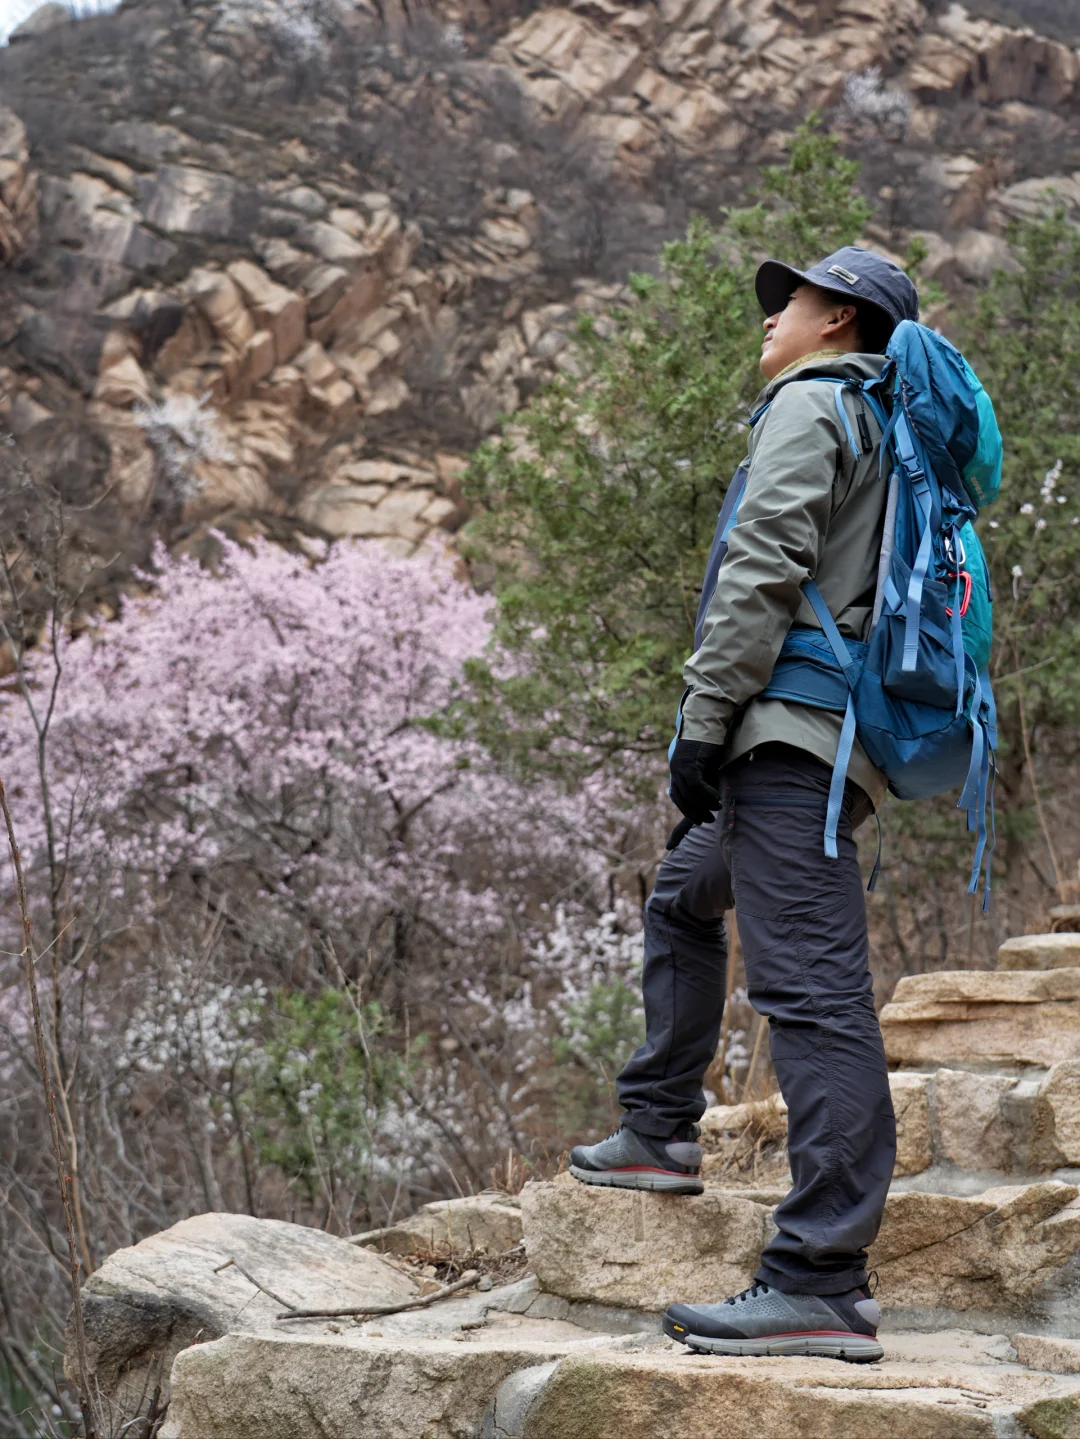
810, 510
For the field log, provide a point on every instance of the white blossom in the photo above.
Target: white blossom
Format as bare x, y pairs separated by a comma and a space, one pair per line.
1050, 479
182, 430
866, 98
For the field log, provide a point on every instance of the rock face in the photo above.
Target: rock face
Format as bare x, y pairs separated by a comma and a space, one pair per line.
170, 1291
18, 190
347, 289
968, 1018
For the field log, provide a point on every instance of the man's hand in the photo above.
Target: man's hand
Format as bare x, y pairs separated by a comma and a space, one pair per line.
695, 778
678, 834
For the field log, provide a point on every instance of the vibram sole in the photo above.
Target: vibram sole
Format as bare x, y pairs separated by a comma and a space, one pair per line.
659, 1180
855, 1348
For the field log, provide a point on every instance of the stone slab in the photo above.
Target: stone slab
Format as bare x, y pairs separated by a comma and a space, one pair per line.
983, 986
1040, 951
978, 1019
148, 1302
596, 1395
970, 1129
997, 1253
1045, 1351
638, 1250
910, 1097
478, 1223
741, 1140
248, 1386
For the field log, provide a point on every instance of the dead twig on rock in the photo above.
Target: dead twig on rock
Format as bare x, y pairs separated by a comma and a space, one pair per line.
466, 1280
231, 1263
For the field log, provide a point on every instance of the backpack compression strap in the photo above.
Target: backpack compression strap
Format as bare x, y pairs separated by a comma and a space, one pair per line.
847, 731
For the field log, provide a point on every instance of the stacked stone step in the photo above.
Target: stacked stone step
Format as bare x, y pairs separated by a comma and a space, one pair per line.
980, 1281
982, 1227
994, 1057
198, 1308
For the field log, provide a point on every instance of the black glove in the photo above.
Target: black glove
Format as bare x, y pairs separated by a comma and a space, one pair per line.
695, 779
678, 834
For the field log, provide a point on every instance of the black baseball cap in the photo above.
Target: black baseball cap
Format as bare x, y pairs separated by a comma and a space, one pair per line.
879, 289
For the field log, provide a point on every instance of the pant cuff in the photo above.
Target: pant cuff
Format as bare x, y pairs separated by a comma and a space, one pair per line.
813, 1281
652, 1126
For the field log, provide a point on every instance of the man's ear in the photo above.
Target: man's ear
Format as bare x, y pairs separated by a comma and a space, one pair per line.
838, 318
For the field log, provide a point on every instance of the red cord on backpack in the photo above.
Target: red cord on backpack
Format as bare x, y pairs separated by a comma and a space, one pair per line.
961, 575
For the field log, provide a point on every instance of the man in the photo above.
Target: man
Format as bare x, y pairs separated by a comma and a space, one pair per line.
812, 509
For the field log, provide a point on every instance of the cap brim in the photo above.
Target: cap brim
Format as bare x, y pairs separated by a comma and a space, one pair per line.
774, 283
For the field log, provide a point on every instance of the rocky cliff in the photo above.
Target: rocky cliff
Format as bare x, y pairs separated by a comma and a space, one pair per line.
282, 269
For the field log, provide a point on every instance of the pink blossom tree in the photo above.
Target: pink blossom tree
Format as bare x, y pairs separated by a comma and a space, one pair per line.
251, 792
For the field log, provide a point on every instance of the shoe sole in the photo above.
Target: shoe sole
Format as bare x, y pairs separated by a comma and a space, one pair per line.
653, 1179
854, 1348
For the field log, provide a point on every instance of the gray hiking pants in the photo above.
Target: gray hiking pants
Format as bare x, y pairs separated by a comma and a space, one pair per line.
802, 923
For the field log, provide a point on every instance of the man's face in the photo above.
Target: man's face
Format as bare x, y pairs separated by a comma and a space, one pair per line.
811, 320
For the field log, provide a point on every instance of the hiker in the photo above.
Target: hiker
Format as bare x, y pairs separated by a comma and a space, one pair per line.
752, 775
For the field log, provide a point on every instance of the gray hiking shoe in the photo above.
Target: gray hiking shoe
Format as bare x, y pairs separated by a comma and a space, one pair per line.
762, 1321
628, 1160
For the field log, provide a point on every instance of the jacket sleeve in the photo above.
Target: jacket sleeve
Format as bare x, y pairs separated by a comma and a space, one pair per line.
775, 545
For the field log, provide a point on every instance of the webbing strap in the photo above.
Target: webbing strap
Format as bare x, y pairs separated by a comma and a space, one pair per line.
993, 835
979, 814
841, 409
969, 794
839, 779
886, 423
913, 607
832, 634
905, 445
957, 628
847, 731
877, 861
977, 794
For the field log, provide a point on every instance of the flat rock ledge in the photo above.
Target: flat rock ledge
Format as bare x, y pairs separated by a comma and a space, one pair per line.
950, 1386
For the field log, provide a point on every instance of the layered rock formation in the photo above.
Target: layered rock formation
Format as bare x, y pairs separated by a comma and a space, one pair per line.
296, 276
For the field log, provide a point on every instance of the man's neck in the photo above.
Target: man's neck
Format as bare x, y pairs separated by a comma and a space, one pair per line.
806, 360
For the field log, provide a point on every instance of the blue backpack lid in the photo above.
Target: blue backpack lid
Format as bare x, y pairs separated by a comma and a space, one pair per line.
949, 410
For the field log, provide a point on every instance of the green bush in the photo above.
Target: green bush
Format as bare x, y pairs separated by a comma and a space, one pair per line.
599, 1033
316, 1089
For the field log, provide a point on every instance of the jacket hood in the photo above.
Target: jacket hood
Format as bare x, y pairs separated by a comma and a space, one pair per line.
840, 367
